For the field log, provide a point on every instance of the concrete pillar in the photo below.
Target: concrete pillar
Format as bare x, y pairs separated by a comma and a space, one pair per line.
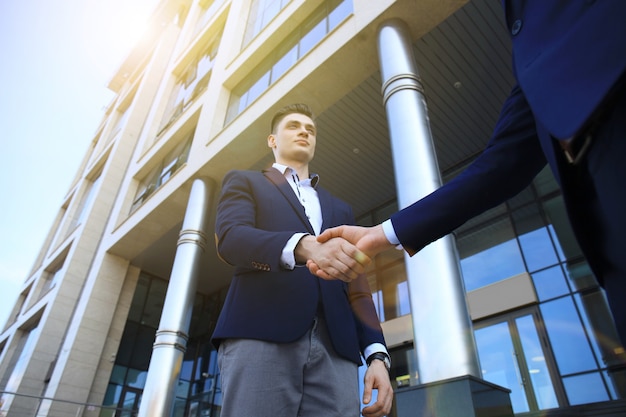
171, 337
442, 327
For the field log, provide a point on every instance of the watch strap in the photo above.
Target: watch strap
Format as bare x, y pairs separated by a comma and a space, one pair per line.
380, 356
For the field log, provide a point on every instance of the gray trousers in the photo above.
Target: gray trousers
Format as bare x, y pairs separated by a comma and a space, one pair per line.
305, 378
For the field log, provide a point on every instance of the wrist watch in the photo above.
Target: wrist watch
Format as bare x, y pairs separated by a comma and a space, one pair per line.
380, 356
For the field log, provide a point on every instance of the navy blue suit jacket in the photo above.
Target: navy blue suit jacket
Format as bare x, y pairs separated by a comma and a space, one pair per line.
257, 214
567, 56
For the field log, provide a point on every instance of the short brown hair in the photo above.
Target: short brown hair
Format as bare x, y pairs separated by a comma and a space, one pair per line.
290, 109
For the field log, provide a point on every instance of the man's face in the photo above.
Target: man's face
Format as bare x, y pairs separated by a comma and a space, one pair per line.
294, 139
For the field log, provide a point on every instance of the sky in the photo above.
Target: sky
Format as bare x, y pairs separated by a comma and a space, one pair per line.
57, 59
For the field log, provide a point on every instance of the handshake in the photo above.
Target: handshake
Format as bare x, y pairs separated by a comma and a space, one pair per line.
342, 252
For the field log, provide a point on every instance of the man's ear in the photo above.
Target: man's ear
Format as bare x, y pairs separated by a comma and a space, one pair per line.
271, 141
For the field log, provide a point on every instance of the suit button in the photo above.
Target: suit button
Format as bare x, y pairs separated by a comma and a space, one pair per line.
517, 26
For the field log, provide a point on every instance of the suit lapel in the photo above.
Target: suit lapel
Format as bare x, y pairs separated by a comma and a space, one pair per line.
283, 186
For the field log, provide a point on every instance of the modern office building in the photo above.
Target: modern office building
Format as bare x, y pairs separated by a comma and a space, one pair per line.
193, 100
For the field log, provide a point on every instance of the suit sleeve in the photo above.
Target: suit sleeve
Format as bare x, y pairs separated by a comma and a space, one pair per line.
512, 158
239, 239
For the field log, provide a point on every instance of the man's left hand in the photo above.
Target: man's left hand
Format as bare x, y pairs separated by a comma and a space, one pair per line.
377, 377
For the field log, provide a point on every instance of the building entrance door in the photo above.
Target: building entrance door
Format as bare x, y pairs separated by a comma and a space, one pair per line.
513, 353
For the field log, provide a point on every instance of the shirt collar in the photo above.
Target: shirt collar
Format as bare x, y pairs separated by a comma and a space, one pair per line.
314, 179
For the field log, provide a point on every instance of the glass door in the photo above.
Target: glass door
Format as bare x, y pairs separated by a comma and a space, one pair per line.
129, 402
513, 353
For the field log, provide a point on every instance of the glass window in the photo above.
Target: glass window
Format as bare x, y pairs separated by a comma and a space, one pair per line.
489, 252
163, 172
174, 106
52, 277
339, 13
127, 343
583, 389
550, 283
394, 287
561, 228
616, 383
204, 17
567, 337
146, 188
180, 405
312, 37
192, 82
118, 375
88, 199
492, 265
14, 373
534, 238
129, 401
154, 304
580, 276
121, 120
258, 88
182, 388
303, 39
377, 298
283, 64
142, 350
261, 13
112, 396
557, 244
538, 249
387, 279
598, 322
404, 305
136, 378
139, 299
272, 7
187, 370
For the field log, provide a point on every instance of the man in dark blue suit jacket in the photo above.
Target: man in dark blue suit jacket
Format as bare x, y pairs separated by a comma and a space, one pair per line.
289, 343
568, 109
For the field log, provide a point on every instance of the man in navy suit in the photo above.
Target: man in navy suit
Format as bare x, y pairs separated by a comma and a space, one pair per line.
289, 344
567, 109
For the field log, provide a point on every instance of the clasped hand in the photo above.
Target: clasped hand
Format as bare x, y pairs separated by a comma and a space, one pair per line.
354, 248
334, 258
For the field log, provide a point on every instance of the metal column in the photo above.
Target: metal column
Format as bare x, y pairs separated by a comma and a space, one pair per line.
442, 329
171, 337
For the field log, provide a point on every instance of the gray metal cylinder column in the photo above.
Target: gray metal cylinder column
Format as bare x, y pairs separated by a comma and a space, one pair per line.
442, 328
171, 337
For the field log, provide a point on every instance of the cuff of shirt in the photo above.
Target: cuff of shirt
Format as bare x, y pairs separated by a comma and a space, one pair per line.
373, 348
288, 257
390, 234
